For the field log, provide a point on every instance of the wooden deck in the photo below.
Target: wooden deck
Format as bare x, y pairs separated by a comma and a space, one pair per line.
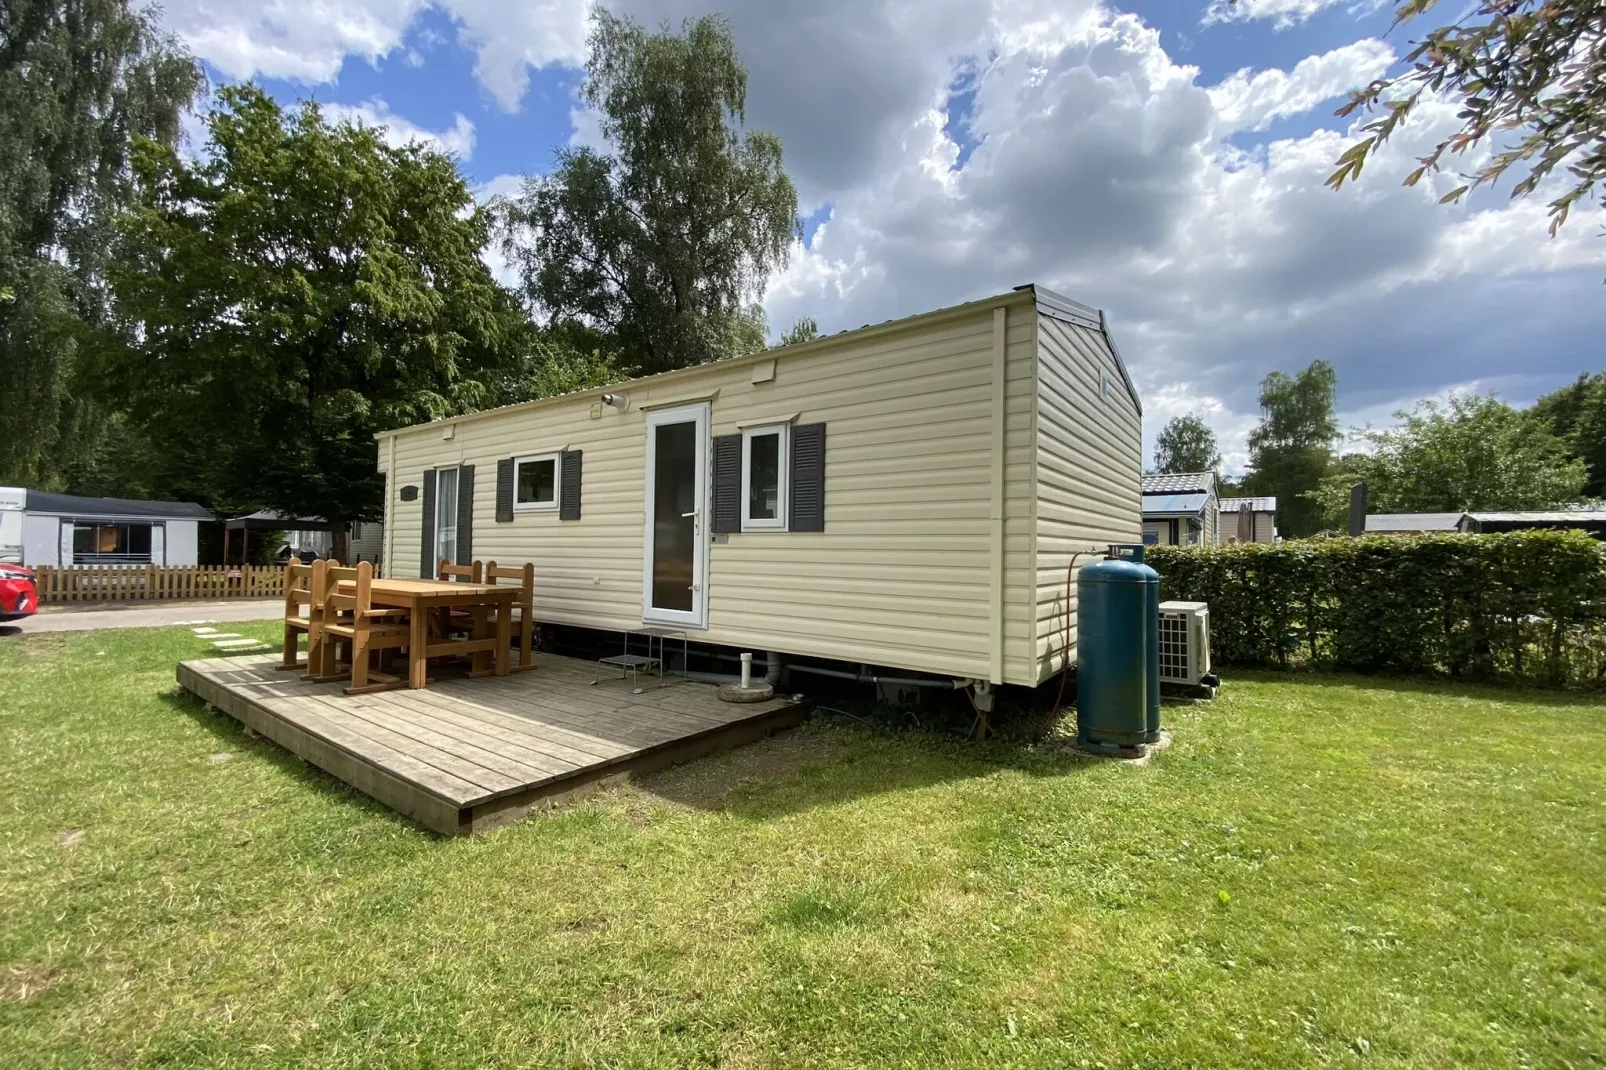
461, 755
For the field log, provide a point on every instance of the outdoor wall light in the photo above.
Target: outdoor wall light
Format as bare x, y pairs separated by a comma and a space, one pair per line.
618, 401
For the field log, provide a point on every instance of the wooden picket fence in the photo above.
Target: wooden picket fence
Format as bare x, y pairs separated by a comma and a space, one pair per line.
141, 583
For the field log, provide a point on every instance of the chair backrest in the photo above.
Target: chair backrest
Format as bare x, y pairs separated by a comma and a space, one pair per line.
326, 579
525, 575
358, 599
473, 573
297, 588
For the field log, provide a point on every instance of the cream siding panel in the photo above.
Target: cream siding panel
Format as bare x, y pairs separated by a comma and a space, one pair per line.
900, 576
1019, 514
1089, 471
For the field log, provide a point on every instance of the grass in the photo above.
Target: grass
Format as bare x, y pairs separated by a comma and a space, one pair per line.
1323, 871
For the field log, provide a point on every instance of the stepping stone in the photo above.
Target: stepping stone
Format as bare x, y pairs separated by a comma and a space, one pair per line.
205, 631
236, 644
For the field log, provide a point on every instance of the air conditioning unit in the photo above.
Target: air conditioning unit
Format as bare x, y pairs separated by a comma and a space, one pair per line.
1184, 642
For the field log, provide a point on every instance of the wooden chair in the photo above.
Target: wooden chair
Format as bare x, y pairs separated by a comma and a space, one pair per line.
523, 611
297, 596
353, 617
323, 649
471, 573
455, 620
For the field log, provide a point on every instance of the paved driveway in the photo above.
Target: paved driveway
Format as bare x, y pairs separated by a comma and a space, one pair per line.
144, 615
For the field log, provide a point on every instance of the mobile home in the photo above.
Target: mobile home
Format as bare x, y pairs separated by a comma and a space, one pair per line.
1181, 509
40, 528
906, 495
1260, 525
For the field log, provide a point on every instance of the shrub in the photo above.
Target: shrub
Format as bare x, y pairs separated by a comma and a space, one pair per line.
1527, 606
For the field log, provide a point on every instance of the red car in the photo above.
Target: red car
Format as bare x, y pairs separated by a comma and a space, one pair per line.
18, 596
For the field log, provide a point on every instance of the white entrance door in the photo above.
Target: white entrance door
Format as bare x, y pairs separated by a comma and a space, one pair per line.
675, 569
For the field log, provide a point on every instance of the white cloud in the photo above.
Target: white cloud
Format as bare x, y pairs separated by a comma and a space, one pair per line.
500, 186
1252, 100
511, 36
1098, 169
458, 141
301, 40
308, 40
1284, 14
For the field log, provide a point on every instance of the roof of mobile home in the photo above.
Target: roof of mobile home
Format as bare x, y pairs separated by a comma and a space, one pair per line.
1178, 482
1167, 494
1413, 521
40, 501
1255, 505
1047, 302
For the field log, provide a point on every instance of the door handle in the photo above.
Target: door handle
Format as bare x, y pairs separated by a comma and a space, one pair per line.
683, 516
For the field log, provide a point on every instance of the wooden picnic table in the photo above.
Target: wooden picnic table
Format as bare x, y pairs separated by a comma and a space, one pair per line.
424, 599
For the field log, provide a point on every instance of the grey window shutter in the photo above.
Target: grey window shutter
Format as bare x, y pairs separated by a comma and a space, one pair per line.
504, 491
727, 483
569, 495
465, 514
426, 544
808, 478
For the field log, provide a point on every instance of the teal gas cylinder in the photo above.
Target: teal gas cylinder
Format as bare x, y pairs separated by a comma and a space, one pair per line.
1118, 651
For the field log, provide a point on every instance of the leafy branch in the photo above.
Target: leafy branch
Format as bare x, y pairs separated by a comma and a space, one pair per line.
1532, 66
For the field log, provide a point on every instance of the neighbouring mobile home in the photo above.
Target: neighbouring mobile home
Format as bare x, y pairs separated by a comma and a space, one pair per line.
39, 528
907, 495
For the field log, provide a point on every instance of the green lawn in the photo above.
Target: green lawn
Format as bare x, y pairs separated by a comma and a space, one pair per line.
1321, 871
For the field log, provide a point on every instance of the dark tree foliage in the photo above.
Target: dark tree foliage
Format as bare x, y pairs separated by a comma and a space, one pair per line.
804, 330
1186, 444
299, 288
1475, 452
1291, 449
665, 241
79, 80
1576, 414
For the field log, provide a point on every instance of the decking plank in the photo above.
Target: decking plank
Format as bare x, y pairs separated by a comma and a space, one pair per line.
464, 755
537, 736
442, 753
391, 750
577, 712
473, 739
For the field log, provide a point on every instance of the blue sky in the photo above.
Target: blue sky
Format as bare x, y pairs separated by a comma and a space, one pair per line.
1163, 161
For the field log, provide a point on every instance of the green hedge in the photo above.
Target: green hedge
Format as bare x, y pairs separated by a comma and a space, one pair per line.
1529, 606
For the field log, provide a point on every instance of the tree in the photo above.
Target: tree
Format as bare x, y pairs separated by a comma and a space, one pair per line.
1291, 449
299, 288
804, 330
665, 241
1474, 453
1538, 66
1576, 414
1186, 444
78, 80
556, 360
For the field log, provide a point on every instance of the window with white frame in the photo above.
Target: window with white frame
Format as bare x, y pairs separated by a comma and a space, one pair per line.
765, 477
535, 481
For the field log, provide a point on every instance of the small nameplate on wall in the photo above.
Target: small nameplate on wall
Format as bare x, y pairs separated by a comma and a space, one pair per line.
720, 539
409, 494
